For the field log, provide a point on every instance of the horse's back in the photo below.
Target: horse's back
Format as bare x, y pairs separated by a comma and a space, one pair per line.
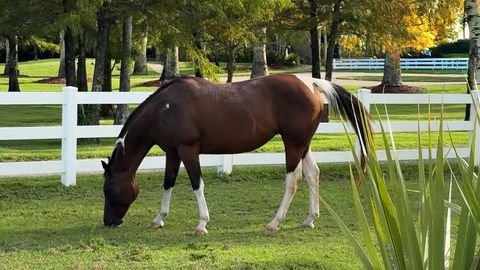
242, 116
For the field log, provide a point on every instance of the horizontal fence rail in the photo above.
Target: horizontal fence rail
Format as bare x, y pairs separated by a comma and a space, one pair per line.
406, 63
69, 132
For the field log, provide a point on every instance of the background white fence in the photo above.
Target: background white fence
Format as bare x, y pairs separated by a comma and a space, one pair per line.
69, 132
406, 63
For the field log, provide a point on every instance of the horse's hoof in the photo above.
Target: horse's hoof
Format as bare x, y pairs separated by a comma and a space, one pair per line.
198, 231
307, 226
270, 230
155, 225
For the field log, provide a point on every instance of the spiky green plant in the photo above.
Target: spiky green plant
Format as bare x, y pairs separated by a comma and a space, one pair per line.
398, 236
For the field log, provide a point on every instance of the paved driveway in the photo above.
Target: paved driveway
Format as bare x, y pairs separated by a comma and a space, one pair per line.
307, 79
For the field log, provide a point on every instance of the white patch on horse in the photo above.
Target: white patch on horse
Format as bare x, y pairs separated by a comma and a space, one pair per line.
203, 209
121, 141
164, 209
303, 79
328, 91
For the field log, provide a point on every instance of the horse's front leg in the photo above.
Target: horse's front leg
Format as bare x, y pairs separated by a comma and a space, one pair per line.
190, 157
171, 171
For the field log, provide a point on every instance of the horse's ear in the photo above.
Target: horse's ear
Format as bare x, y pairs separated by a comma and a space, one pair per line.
105, 166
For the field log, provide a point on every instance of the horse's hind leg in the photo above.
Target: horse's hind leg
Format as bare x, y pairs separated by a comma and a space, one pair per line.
311, 172
171, 171
190, 158
293, 155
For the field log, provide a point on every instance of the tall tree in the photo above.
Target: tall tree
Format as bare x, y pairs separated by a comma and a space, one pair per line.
61, 66
140, 67
103, 23
12, 64
417, 24
171, 65
332, 38
473, 20
259, 63
7, 53
69, 7
314, 44
122, 109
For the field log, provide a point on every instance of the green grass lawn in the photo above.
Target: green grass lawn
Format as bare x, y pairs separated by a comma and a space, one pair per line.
44, 225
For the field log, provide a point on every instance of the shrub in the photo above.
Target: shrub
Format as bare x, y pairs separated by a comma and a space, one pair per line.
420, 237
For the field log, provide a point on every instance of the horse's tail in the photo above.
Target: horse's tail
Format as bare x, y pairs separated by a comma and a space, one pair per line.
347, 105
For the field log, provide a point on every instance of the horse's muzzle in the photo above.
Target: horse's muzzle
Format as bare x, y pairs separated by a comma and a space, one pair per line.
112, 222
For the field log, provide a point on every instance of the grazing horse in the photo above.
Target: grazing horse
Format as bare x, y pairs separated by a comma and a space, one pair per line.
190, 116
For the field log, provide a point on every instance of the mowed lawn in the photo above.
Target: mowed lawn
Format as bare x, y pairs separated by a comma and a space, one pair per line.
44, 225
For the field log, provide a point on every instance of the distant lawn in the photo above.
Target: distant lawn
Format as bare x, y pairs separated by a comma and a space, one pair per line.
407, 78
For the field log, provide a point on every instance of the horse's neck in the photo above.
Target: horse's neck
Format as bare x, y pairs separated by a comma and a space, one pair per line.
130, 157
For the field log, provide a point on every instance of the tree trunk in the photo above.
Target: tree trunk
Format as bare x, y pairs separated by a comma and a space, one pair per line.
259, 65
170, 68
392, 72
230, 64
7, 52
332, 39
158, 55
12, 64
35, 51
81, 65
314, 46
325, 46
100, 55
198, 45
106, 110
82, 83
122, 109
473, 20
61, 67
70, 75
140, 66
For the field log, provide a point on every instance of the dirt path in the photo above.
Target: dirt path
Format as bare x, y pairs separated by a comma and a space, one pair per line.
306, 77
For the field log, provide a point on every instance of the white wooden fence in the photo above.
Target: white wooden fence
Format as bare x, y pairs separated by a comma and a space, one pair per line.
69, 132
406, 63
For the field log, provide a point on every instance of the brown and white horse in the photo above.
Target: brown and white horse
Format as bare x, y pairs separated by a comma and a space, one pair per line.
190, 116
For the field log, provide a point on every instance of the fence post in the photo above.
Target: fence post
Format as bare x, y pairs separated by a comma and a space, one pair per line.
69, 140
227, 164
475, 114
364, 95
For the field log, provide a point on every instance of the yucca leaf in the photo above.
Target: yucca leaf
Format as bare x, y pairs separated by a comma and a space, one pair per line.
362, 220
383, 237
348, 234
436, 236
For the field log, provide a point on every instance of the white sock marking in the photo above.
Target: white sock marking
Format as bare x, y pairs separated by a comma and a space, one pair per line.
165, 207
202, 207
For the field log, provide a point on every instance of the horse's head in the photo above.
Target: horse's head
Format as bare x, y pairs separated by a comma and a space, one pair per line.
120, 190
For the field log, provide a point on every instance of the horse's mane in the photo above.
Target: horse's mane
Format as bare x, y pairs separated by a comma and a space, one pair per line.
164, 85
